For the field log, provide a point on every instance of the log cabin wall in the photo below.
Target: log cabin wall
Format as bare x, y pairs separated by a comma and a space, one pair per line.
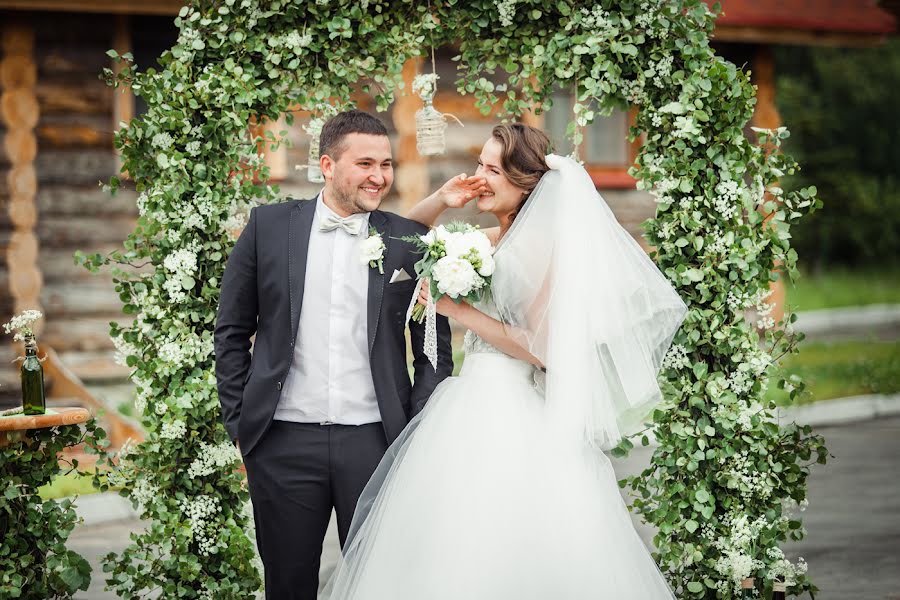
74, 134
20, 277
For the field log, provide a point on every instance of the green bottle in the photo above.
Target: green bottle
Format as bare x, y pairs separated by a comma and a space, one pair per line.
33, 401
748, 588
778, 591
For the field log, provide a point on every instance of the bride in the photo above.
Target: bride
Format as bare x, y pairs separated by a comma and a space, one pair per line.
499, 489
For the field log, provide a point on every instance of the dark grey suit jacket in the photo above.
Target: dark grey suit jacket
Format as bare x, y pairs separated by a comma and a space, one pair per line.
262, 294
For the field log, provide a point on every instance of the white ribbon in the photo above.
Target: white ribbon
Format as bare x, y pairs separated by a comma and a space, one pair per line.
430, 324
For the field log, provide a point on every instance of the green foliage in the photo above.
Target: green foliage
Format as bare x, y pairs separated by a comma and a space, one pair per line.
722, 467
841, 104
34, 561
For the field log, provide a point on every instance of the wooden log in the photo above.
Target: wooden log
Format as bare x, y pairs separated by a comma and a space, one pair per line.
16, 36
24, 281
95, 366
83, 167
60, 417
87, 96
17, 71
20, 180
21, 213
74, 136
58, 264
30, 303
17, 146
84, 232
19, 108
62, 199
765, 115
80, 333
80, 299
21, 248
71, 60
412, 171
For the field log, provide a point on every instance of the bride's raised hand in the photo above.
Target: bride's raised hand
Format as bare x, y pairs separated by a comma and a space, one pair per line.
460, 190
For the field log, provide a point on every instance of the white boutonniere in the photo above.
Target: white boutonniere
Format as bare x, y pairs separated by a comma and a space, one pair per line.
371, 250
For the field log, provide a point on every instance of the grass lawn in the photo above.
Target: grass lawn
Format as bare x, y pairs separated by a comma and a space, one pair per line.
840, 369
845, 287
71, 484
830, 370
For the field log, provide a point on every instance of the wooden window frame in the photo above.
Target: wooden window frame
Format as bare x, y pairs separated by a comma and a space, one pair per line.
615, 176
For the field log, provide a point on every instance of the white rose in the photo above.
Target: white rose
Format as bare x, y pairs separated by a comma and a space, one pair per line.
441, 233
455, 277
456, 245
480, 242
428, 238
487, 266
371, 249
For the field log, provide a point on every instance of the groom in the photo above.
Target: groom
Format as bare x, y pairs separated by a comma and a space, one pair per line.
326, 388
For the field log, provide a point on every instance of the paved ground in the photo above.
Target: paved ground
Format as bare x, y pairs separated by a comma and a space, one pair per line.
853, 546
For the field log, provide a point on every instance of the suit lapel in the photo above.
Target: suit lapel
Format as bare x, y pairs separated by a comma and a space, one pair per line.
298, 248
382, 225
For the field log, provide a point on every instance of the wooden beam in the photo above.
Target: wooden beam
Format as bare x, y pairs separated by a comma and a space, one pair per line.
411, 179
765, 115
19, 114
116, 7
123, 97
794, 37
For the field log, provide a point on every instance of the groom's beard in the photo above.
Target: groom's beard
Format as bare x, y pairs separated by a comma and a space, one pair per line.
349, 198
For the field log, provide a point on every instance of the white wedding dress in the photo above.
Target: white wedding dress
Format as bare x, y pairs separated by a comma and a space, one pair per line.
498, 489
476, 500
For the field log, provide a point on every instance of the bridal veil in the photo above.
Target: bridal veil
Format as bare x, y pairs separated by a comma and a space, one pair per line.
581, 295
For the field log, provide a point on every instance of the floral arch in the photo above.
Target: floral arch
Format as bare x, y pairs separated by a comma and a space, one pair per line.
724, 474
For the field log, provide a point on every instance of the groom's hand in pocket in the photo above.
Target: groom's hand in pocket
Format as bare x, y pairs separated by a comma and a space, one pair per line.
242, 468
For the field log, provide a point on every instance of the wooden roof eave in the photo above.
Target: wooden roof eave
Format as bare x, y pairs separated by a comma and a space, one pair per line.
794, 37
121, 7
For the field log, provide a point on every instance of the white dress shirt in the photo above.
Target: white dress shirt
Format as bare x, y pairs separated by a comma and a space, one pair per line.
330, 379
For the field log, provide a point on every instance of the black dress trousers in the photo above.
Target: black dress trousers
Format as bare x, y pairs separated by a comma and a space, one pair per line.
297, 473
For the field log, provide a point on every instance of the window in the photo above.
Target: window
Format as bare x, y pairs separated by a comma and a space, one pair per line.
605, 149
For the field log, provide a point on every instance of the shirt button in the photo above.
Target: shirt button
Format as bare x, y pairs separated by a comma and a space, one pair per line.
278, 385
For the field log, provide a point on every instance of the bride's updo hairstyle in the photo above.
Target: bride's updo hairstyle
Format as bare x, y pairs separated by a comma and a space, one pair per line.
522, 156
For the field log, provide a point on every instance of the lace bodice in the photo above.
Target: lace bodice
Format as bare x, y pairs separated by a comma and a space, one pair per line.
472, 344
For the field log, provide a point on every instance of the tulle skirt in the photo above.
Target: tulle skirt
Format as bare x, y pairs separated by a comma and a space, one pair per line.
478, 500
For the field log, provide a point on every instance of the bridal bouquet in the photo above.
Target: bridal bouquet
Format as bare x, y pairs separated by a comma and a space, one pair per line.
457, 260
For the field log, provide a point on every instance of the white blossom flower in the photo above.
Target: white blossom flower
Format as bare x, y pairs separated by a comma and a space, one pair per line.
144, 492
455, 277
371, 249
676, 358
506, 11
173, 430
212, 457
199, 513
726, 202
162, 140
686, 127
22, 324
487, 266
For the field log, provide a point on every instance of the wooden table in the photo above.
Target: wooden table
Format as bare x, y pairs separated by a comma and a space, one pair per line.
13, 427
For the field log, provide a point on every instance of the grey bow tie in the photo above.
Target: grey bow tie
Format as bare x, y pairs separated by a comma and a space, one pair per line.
352, 224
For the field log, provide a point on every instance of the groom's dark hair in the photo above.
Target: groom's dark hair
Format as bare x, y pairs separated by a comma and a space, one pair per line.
338, 127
